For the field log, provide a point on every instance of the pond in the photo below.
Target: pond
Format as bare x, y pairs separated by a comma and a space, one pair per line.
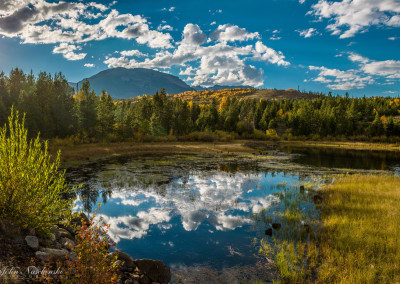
344, 158
197, 213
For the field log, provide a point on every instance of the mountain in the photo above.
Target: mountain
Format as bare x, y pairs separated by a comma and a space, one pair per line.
122, 83
219, 87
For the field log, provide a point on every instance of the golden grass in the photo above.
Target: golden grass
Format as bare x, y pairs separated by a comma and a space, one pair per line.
76, 153
359, 241
344, 145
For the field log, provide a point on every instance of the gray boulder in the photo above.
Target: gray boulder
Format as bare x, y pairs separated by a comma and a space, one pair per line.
67, 243
32, 242
42, 255
47, 253
63, 233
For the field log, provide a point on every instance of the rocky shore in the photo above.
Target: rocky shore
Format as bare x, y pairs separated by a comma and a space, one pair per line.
24, 255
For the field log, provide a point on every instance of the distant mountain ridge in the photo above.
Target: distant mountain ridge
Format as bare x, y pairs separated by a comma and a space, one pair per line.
122, 83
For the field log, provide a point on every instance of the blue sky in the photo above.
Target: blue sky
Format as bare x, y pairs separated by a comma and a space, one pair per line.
339, 46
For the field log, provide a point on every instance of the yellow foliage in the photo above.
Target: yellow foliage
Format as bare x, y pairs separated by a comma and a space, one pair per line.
205, 97
271, 132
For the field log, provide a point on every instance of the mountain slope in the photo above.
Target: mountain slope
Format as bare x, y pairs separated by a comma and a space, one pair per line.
219, 87
123, 83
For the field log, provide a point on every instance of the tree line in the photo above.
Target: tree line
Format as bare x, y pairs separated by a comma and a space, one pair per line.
54, 109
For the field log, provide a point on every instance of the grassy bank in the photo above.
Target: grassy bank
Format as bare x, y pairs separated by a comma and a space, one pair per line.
82, 152
343, 145
358, 241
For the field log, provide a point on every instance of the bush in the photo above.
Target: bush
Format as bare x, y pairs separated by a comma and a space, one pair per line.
198, 136
259, 135
33, 192
94, 265
271, 134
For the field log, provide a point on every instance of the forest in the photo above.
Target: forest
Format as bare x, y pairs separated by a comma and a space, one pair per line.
55, 110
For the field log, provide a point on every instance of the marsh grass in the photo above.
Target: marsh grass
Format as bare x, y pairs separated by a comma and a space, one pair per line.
358, 241
293, 247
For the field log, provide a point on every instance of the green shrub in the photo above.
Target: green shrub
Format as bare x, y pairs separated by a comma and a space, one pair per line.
32, 189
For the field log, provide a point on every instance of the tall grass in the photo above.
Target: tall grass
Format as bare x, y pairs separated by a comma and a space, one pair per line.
32, 189
359, 238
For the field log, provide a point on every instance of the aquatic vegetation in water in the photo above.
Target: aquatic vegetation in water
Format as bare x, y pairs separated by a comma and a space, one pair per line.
292, 227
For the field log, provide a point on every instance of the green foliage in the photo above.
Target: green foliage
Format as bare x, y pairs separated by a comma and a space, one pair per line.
105, 114
32, 189
55, 111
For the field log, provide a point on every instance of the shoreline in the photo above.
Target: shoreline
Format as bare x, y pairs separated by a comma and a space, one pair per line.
79, 153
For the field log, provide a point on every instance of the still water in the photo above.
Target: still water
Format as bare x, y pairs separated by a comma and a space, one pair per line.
180, 211
195, 210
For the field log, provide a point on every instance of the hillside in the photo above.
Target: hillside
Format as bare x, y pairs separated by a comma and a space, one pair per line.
123, 83
204, 97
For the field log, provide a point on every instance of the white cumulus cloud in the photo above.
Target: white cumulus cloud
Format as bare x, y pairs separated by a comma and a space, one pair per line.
69, 51
349, 17
308, 32
210, 62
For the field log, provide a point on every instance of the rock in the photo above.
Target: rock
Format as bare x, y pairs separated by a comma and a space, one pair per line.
67, 243
42, 255
67, 228
128, 281
55, 253
55, 232
268, 232
32, 242
73, 255
276, 226
52, 237
144, 279
45, 242
136, 282
134, 276
156, 270
33, 270
63, 233
126, 258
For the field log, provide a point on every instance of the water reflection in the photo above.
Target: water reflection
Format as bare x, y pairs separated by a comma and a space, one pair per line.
344, 158
183, 211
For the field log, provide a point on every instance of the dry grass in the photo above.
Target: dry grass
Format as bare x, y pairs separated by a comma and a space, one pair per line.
344, 145
358, 241
83, 152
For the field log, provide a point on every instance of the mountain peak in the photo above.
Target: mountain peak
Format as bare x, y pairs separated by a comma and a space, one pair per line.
122, 83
